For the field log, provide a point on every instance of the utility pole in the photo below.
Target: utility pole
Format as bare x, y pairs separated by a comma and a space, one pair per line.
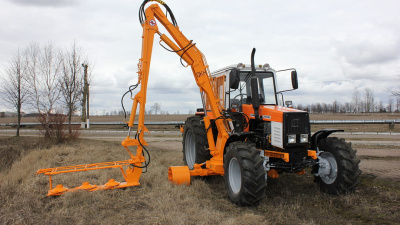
87, 95
85, 100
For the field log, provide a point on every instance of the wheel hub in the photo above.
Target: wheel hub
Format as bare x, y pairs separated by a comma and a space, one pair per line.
190, 149
235, 176
327, 168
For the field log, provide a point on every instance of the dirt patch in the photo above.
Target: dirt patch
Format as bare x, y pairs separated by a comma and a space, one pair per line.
379, 152
174, 145
381, 168
14, 148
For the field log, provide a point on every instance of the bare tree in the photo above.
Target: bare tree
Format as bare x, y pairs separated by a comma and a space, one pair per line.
335, 107
389, 107
313, 108
51, 70
14, 86
318, 107
324, 107
32, 66
381, 108
356, 100
347, 107
156, 108
44, 69
395, 92
369, 99
71, 82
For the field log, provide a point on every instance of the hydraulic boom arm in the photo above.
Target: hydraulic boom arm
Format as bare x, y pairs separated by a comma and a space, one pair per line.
195, 59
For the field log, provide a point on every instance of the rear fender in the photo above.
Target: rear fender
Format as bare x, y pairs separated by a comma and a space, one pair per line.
321, 134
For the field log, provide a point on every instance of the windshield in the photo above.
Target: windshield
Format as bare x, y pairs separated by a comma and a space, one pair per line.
266, 89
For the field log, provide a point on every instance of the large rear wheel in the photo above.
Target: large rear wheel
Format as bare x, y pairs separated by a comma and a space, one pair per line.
338, 171
244, 174
195, 144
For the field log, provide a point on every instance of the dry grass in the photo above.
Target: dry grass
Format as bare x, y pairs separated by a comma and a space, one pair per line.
290, 199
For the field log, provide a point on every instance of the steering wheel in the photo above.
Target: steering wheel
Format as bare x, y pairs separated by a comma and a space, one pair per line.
238, 96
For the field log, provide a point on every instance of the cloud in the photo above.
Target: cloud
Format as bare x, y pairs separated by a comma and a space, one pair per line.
324, 41
367, 50
44, 3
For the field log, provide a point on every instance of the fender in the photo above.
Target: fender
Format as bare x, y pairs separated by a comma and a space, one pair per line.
321, 134
240, 136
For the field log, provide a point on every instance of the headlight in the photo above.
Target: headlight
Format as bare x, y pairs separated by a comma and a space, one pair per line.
303, 138
291, 138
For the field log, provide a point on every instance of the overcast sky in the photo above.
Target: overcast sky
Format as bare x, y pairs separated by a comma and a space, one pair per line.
336, 46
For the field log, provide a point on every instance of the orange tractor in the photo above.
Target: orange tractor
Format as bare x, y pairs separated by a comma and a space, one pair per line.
243, 132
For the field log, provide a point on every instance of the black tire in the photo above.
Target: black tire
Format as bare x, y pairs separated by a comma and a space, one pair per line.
195, 144
244, 174
348, 172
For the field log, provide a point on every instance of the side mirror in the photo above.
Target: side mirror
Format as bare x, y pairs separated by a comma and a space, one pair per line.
295, 83
234, 79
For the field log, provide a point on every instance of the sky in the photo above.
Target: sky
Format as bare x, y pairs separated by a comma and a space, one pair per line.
335, 46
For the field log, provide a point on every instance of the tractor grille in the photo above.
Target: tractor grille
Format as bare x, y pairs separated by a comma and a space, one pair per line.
296, 123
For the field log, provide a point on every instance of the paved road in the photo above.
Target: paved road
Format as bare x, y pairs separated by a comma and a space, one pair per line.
115, 135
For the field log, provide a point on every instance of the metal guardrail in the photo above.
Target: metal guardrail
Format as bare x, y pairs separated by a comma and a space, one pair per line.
393, 121
102, 123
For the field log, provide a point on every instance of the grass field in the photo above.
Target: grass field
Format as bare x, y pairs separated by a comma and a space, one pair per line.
291, 199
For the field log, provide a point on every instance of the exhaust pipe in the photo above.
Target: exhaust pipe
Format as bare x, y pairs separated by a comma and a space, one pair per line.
255, 97
253, 68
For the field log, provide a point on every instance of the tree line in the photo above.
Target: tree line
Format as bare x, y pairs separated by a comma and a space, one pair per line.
45, 79
362, 102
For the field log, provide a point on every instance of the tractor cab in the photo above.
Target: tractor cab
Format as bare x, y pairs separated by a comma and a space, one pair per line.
234, 89
252, 99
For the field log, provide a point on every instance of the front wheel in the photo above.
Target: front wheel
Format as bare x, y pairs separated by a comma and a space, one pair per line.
244, 174
337, 171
